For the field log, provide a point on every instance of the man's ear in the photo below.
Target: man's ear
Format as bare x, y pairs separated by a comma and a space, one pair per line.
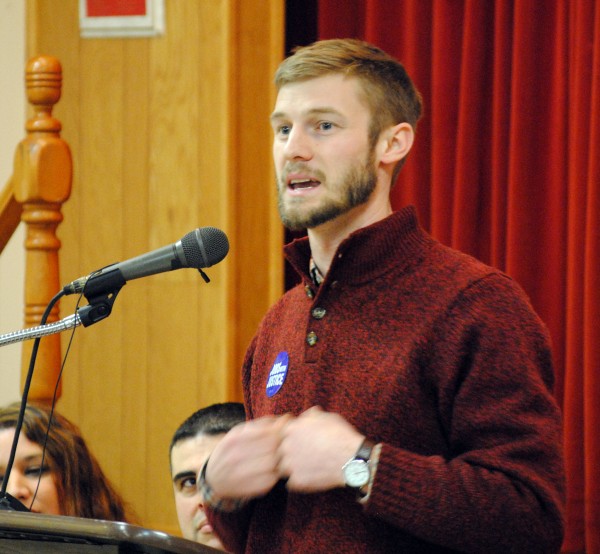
396, 142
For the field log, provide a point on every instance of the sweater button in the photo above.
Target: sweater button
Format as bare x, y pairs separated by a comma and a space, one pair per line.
309, 291
319, 313
311, 338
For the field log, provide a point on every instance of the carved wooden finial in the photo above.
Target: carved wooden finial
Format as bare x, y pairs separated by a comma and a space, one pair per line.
41, 182
43, 76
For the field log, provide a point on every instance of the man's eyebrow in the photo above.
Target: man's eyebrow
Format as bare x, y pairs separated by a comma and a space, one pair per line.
276, 115
184, 475
325, 110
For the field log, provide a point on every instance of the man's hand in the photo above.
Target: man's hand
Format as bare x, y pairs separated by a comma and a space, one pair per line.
314, 448
244, 464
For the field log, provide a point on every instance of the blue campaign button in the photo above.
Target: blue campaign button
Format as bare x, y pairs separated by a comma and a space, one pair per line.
277, 374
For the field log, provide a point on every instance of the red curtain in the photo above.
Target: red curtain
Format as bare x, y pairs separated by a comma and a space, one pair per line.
506, 167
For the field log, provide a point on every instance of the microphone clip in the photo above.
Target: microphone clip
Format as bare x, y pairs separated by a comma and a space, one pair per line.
101, 292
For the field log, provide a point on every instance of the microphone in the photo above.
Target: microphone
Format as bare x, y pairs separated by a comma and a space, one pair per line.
200, 248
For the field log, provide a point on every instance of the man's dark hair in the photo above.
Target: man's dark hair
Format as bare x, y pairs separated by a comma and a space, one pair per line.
215, 419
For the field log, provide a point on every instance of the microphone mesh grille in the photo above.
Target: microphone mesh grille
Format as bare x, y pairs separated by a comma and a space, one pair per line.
205, 247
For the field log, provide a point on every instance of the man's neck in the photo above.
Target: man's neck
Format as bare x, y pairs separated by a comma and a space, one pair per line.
326, 238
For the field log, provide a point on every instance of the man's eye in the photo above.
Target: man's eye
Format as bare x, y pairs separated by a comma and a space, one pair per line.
283, 130
189, 482
325, 125
187, 485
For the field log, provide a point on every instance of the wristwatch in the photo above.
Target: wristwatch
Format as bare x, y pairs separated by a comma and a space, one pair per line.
356, 470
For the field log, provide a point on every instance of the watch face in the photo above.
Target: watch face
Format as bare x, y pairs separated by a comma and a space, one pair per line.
356, 473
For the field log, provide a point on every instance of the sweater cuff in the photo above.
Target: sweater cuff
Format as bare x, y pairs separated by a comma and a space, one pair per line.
217, 504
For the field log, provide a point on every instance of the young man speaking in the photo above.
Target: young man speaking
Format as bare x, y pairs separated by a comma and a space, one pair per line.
400, 397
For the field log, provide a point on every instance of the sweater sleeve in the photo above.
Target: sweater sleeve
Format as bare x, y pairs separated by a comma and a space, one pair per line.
232, 527
500, 487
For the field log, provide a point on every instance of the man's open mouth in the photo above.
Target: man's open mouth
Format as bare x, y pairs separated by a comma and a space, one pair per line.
299, 184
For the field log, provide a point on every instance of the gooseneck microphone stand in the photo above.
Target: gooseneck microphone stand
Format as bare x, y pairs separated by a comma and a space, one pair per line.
99, 307
40, 331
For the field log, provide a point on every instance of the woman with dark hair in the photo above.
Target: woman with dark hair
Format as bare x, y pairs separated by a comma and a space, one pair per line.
62, 478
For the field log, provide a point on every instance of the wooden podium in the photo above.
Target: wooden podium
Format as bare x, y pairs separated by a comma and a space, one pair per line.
26, 532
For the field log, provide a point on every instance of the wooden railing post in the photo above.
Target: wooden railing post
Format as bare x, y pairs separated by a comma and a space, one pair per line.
42, 182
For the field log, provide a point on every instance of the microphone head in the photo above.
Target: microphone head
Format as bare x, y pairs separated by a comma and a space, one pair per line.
205, 247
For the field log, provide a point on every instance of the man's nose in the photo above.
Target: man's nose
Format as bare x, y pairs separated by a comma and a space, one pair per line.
298, 145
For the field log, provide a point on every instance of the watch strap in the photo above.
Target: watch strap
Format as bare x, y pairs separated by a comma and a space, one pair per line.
365, 450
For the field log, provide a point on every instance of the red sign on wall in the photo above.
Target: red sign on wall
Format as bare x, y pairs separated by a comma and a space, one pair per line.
121, 18
112, 8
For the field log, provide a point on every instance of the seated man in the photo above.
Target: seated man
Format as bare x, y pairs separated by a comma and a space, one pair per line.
191, 445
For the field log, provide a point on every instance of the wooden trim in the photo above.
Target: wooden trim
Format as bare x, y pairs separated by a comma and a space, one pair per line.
41, 183
10, 214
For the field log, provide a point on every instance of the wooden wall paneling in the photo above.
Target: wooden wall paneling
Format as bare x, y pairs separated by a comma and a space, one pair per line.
214, 152
134, 345
174, 191
168, 133
101, 232
257, 35
274, 51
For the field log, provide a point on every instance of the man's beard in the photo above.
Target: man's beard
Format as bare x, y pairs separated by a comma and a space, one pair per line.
359, 183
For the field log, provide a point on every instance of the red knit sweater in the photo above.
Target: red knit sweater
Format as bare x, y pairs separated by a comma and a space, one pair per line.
442, 360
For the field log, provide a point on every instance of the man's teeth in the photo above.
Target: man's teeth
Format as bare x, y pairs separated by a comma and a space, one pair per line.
301, 183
